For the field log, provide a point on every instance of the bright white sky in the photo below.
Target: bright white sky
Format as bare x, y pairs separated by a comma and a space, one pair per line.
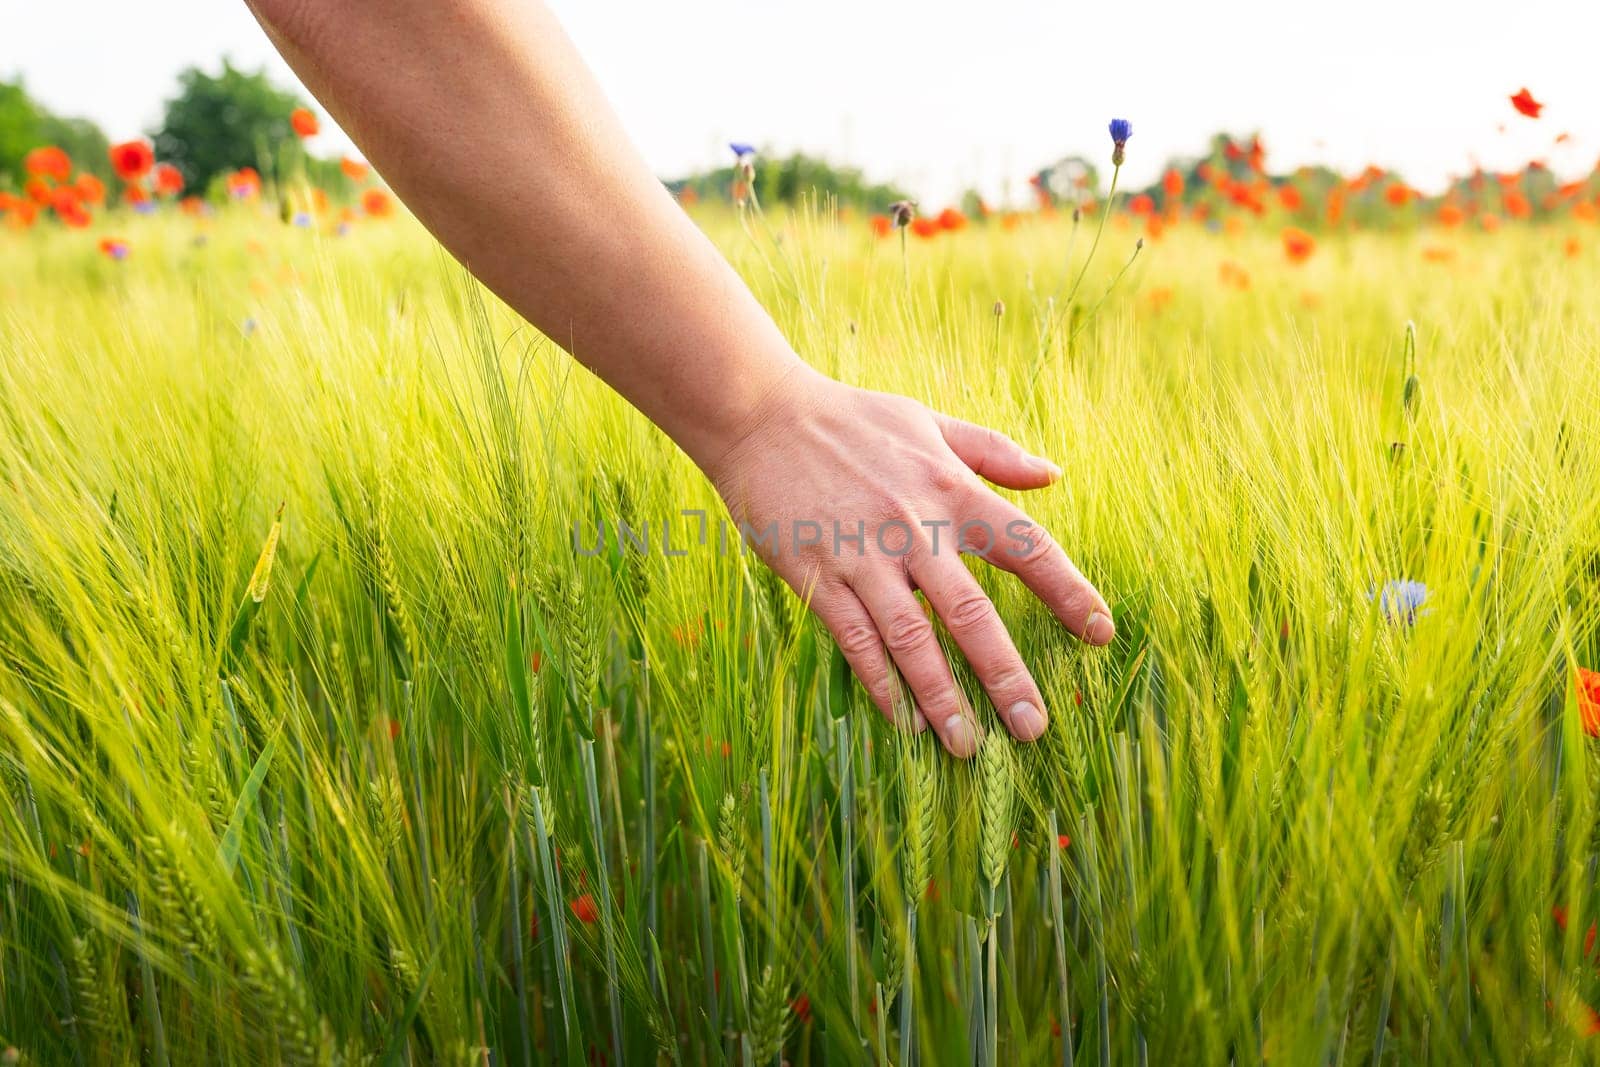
942, 95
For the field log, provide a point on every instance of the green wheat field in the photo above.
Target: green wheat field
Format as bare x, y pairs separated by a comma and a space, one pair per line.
320, 743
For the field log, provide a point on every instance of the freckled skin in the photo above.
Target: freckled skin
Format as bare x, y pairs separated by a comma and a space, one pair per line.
484, 120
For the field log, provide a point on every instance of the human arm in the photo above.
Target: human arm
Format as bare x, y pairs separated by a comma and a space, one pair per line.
485, 121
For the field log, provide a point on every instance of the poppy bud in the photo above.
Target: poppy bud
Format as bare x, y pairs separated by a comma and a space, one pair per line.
999, 308
901, 212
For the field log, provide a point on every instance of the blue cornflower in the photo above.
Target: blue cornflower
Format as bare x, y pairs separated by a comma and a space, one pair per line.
145, 207
1121, 130
1401, 600
745, 162
302, 219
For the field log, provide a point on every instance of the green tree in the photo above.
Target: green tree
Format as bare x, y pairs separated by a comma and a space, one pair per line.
217, 123
25, 124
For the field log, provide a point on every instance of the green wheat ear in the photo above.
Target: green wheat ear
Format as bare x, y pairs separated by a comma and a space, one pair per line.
919, 786
997, 790
730, 844
769, 1014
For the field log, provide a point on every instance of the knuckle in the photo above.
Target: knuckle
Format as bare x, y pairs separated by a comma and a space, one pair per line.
945, 478
970, 610
906, 631
1011, 680
1031, 544
995, 443
859, 643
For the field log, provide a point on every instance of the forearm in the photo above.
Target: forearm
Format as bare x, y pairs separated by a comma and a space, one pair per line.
484, 120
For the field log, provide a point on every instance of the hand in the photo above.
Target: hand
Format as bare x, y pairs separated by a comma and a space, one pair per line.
909, 481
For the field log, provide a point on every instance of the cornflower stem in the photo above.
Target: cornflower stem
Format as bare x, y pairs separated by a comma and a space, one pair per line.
1072, 293
1100, 228
905, 261
1088, 318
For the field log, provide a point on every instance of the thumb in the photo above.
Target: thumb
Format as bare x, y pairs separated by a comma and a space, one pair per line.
993, 455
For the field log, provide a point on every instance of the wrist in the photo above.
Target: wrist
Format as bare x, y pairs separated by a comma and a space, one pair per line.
787, 400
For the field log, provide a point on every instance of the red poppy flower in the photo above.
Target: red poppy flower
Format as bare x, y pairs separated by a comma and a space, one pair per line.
243, 183
168, 179
1517, 205
1397, 195
1589, 701
376, 203
1489, 221
1335, 206
91, 190
1524, 102
73, 214
48, 162
132, 160
1451, 215
881, 226
583, 907
1142, 205
134, 194
394, 729
304, 122
1062, 841
951, 219
923, 226
114, 248
1298, 245
801, 1006
21, 214
1172, 183
353, 169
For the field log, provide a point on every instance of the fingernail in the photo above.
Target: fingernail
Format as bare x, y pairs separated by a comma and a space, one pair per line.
1027, 721
1040, 463
919, 721
960, 737
1099, 630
